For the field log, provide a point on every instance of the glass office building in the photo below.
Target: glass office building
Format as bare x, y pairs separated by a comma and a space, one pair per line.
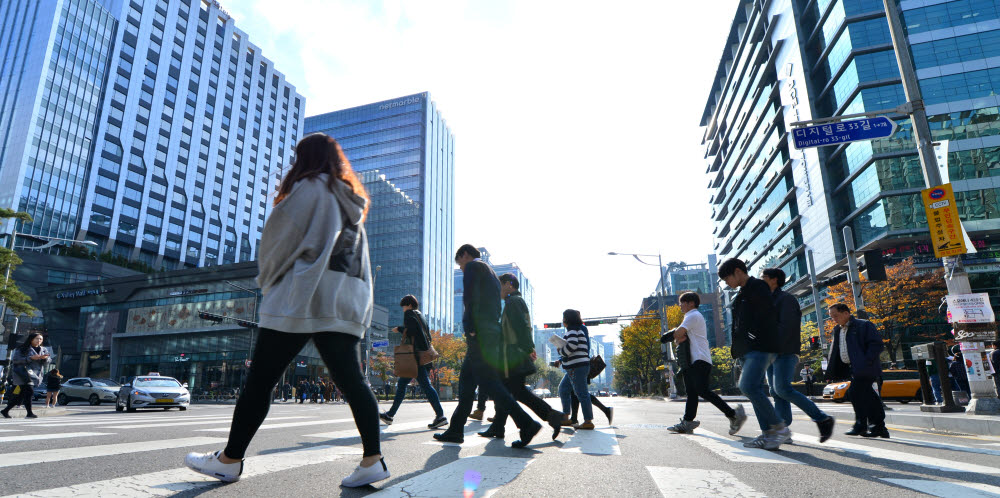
807, 59
153, 128
407, 140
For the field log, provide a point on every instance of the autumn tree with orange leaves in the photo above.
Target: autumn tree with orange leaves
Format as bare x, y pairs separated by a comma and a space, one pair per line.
906, 299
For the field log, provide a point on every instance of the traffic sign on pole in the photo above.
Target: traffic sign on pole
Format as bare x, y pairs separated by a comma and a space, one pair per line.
844, 132
943, 222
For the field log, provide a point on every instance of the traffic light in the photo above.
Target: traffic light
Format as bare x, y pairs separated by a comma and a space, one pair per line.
833, 280
874, 269
556, 325
814, 342
602, 321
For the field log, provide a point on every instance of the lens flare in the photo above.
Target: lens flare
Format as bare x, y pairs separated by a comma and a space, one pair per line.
472, 480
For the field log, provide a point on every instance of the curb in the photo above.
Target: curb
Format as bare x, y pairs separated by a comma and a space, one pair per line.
41, 412
964, 424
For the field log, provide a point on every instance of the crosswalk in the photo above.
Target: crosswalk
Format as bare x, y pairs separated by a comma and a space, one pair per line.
316, 438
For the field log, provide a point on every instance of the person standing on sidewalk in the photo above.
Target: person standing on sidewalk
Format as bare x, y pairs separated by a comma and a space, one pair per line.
519, 359
780, 373
53, 382
808, 377
697, 377
995, 362
415, 330
755, 341
315, 277
854, 355
481, 322
27, 363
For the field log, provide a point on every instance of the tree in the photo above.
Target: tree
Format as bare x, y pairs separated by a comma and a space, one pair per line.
812, 357
640, 353
907, 299
16, 300
545, 376
381, 365
722, 368
452, 349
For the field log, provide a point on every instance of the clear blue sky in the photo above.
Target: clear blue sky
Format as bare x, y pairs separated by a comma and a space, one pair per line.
576, 123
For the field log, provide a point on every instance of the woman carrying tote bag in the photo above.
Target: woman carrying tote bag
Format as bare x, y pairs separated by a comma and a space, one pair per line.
315, 277
414, 330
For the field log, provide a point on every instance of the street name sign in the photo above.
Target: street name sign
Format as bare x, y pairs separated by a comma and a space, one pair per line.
380, 344
947, 237
844, 132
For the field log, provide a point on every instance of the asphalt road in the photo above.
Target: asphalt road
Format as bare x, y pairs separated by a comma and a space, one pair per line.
305, 450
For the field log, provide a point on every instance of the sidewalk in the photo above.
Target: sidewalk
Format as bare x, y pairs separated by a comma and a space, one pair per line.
19, 412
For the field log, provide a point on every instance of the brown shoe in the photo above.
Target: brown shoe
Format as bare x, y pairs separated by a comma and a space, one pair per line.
566, 422
586, 426
476, 415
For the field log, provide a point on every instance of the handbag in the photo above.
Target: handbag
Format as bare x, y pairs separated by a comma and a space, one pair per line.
596, 366
431, 354
404, 364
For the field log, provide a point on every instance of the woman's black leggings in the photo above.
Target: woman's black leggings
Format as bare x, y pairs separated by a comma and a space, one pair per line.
24, 396
274, 351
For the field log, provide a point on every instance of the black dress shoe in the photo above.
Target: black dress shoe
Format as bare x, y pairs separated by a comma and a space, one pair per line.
825, 428
526, 435
4, 413
555, 421
492, 432
856, 432
881, 432
446, 437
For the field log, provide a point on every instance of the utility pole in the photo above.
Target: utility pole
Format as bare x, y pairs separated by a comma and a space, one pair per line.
853, 275
984, 397
815, 293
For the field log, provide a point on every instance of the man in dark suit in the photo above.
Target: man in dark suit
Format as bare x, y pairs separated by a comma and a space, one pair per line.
481, 321
854, 355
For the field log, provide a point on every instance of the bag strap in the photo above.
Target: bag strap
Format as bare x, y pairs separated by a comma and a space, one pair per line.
423, 327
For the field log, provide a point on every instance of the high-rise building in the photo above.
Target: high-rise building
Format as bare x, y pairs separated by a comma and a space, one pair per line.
153, 128
801, 60
408, 142
527, 290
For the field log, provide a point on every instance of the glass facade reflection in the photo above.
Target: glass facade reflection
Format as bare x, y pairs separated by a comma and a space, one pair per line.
404, 152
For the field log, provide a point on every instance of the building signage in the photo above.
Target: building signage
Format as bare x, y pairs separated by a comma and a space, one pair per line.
970, 308
399, 103
188, 291
380, 344
947, 238
793, 98
82, 293
844, 132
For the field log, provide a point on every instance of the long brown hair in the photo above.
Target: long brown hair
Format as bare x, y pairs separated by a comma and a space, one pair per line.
316, 154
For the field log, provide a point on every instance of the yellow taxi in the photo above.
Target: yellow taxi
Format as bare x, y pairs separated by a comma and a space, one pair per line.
897, 385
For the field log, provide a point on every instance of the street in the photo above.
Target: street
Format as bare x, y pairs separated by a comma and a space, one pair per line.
305, 450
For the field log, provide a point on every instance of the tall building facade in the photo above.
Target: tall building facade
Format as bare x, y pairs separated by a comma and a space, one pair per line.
527, 290
801, 60
152, 128
408, 141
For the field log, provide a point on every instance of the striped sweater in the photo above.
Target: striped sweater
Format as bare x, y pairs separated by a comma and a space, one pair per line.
576, 352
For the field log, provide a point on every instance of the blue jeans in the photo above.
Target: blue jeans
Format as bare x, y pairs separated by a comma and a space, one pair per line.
779, 377
936, 389
425, 383
575, 381
755, 365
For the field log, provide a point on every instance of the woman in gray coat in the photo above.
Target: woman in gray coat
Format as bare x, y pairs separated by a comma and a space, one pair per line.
27, 363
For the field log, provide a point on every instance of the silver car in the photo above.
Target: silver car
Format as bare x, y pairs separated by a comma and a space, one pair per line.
89, 389
153, 391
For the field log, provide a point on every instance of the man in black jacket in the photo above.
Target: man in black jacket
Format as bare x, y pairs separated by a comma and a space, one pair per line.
755, 340
481, 321
780, 373
855, 355
519, 359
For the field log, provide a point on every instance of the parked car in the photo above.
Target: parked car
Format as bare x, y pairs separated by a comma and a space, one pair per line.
614, 393
152, 391
542, 393
89, 389
897, 385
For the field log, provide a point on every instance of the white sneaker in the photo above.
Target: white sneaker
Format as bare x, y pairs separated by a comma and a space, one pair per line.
209, 464
778, 435
363, 476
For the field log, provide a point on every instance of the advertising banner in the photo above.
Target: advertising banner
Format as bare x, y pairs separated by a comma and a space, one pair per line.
185, 316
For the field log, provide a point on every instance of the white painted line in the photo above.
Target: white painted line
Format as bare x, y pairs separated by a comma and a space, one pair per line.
61, 454
11, 430
471, 440
449, 480
683, 483
946, 489
135, 421
946, 446
57, 435
353, 433
286, 425
734, 451
213, 421
899, 456
600, 441
171, 482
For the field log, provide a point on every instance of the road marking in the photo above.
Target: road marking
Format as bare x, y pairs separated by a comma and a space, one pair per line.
946, 446
675, 482
283, 426
449, 480
138, 422
61, 454
946, 489
11, 430
899, 456
34, 437
170, 482
600, 441
472, 439
353, 433
734, 451
213, 420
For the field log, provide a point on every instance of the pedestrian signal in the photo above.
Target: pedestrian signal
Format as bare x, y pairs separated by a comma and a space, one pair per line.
814, 342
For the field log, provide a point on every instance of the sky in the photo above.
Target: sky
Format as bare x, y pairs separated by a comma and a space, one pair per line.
576, 123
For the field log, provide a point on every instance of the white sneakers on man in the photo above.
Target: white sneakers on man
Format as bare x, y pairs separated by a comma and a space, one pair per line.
363, 476
209, 464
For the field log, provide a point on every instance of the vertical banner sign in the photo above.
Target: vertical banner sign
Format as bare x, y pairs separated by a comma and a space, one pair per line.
942, 219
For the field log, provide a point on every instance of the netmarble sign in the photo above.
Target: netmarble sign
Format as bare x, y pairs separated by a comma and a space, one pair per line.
399, 103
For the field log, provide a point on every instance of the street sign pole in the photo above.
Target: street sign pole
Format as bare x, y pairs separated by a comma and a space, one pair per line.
984, 397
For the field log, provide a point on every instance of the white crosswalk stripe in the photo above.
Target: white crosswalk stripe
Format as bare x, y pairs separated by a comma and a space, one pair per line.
170, 482
946, 489
11, 430
471, 439
56, 435
946, 446
212, 421
734, 451
451, 480
684, 483
899, 456
137, 421
600, 441
353, 433
286, 425
61, 454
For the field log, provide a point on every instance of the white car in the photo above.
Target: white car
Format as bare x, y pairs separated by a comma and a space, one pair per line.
542, 393
153, 391
89, 389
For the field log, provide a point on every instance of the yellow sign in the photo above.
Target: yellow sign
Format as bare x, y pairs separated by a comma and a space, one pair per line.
942, 219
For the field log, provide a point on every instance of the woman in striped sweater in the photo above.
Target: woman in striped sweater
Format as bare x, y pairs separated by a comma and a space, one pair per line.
575, 359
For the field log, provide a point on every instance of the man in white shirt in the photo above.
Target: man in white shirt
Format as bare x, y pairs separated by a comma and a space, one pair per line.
698, 375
